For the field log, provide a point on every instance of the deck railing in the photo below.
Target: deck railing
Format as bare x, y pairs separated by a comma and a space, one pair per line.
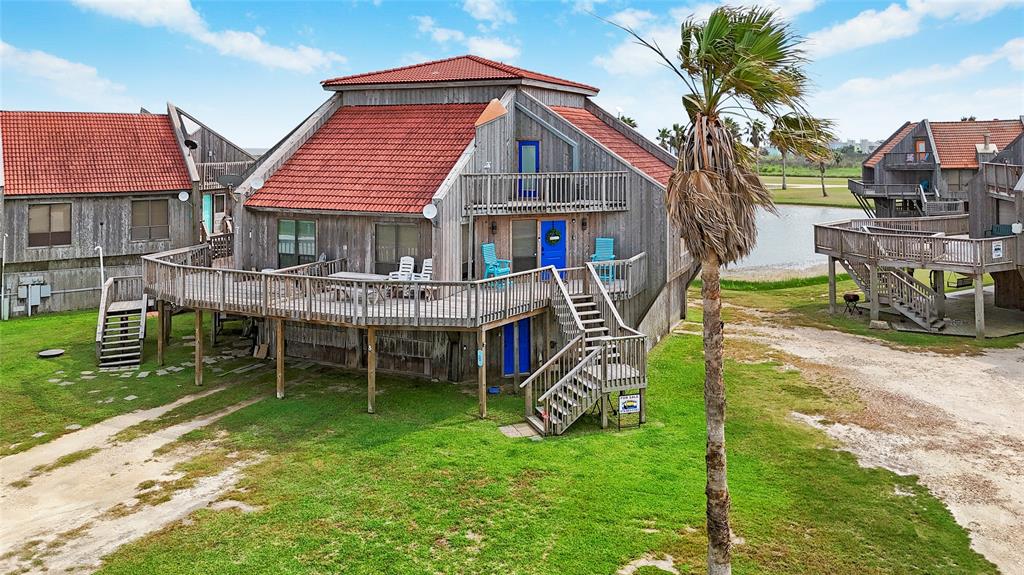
928, 248
909, 160
115, 289
559, 192
630, 344
222, 245
317, 268
210, 171
1003, 180
871, 190
340, 301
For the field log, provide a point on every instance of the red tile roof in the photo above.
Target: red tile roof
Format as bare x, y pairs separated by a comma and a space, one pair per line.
615, 141
373, 159
956, 141
75, 153
460, 68
889, 144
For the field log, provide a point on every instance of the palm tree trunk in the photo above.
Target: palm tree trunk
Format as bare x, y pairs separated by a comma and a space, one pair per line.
783, 170
717, 489
824, 194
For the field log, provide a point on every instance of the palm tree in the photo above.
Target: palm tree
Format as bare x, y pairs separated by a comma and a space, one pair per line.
628, 121
734, 128
756, 130
796, 132
665, 138
824, 158
745, 61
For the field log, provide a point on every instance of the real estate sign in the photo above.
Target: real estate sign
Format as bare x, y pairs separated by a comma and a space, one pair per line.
997, 249
629, 403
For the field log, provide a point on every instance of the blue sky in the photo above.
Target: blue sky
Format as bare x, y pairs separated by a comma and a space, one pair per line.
251, 70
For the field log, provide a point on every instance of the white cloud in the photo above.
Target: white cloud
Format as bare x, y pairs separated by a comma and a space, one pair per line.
180, 16
631, 18
871, 27
72, 80
584, 6
486, 46
787, 9
934, 92
493, 48
492, 12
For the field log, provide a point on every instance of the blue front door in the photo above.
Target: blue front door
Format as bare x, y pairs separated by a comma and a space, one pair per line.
508, 365
552, 243
529, 163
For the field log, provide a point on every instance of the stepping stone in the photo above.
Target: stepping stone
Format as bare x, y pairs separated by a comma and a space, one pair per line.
53, 380
88, 377
73, 427
175, 369
124, 375
38, 434
188, 337
131, 397
94, 391
108, 400
87, 372
66, 383
161, 372
143, 374
216, 369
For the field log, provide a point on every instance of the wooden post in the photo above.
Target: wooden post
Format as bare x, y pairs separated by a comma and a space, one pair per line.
213, 329
279, 349
161, 332
831, 285
643, 405
875, 299
604, 380
198, 313
371, 368
940, 292
481, 363
515, 357
979, 306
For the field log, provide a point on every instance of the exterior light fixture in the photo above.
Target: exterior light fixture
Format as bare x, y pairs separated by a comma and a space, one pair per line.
494, 227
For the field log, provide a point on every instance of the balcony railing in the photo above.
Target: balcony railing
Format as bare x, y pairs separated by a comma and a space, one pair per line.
210, 171
870, 190
562, 192
909, 160
1003, 180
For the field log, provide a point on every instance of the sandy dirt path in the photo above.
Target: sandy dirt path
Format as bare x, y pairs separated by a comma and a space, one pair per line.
957, 422
61, 521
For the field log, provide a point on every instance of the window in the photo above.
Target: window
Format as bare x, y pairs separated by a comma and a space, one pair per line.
296, 242
149, 220
219, 203
49, 225
920, 150
393, 242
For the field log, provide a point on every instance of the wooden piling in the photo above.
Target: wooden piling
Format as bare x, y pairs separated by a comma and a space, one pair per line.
371, 369
279, 349
199, 345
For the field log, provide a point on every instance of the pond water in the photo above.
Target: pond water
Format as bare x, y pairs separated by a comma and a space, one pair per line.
785, 243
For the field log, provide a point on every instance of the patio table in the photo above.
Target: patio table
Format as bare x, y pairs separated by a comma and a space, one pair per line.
373, 294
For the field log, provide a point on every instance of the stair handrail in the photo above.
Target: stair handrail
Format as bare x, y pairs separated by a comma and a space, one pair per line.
609, 309
919, 297
578, 410
101, 319
560, 294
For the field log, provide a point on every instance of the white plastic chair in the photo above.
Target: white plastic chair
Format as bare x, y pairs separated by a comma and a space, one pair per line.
406, 265
426, 272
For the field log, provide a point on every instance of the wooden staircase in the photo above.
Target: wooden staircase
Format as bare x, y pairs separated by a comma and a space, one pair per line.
601, 356
121, 323
901, 291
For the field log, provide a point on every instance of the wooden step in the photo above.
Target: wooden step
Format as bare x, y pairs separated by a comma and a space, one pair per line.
592, 321
595, 329
123, 362
104, 357
117, 346
536, 423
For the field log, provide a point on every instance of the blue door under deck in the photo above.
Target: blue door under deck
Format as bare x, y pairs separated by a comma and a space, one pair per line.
508, 335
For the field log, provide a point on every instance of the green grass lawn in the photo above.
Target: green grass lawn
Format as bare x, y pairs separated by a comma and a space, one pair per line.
34, 400
838, 195
424, 486
772, 168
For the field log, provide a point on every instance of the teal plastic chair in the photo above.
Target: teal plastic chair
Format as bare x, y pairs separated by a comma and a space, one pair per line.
604, 252
493, 267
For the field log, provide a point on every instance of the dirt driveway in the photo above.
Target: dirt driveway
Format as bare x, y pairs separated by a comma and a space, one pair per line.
957, 422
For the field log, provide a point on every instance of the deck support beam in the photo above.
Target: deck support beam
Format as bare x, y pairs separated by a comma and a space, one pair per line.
481, 366
940, 292
832, 285
371, 369
875, 297
979, 306
161, 332
279, 352
198, 313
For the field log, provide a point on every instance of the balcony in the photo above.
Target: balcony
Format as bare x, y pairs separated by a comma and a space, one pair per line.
909, 161
210, 171
548, 193
1003, 181
891, 191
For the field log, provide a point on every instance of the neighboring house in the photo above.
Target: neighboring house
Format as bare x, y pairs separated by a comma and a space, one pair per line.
75, 182
434, 161
922, 180
925, 168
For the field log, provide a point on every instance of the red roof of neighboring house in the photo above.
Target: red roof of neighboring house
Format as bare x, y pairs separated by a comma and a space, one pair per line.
460, 68
373, 159
76, 152
889, 144
615, 141
957, 141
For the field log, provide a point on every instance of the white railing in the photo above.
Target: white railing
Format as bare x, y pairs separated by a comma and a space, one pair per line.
870, 190
1003, 180
560, 192
118, 289
210, 171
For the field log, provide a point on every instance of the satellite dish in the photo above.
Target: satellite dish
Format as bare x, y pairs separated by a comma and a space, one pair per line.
430, 211
229, 180
183, 196
257, 183
191, 144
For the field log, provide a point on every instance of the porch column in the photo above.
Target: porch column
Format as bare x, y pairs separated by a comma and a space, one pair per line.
213, 329
875, 303
979, 306
940, 293
831, 285
279, 349
161, 332
515, 357
371, 369
198, 313
481, 365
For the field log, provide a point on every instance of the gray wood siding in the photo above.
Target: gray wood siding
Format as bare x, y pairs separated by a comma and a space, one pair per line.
95, 221
339, 236
455, 95
556, 97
